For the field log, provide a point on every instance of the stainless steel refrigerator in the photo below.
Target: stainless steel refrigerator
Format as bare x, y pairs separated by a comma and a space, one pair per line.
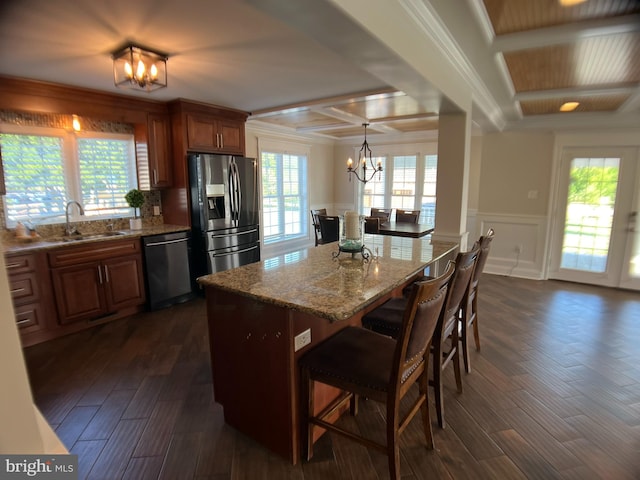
224, 212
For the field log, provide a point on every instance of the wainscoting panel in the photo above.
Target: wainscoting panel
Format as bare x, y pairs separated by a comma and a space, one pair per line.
518, 248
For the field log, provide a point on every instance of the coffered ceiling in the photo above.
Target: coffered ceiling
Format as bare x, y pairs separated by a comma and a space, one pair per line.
326, 66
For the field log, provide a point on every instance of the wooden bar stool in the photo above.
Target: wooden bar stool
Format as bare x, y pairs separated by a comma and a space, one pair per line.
387, 317
362, 362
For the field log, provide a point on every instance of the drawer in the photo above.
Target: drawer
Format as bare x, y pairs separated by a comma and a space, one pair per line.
23, 288
65, 256
20, 264
28, 317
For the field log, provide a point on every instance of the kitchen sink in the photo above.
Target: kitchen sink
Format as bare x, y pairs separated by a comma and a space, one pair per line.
92, 236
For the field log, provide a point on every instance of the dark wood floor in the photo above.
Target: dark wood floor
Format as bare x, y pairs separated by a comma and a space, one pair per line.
555, 393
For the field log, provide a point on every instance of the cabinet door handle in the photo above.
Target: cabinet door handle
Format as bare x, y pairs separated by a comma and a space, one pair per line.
106, 274
100, 274
221, 141
27, 320
13, 265
17, 290
155, 176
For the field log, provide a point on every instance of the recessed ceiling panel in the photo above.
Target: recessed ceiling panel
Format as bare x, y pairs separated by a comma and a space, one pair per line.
508, 16
605, 60
300, 119
383, 106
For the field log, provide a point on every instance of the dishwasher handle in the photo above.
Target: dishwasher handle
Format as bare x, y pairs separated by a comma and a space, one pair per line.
167, 242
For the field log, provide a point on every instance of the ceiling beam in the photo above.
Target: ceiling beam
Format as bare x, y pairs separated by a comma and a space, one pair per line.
586, 91
568, 33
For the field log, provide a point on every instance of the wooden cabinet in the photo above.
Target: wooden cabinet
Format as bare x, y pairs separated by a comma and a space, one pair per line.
30, 291
92, 282
198, 128
211, 134
153, 152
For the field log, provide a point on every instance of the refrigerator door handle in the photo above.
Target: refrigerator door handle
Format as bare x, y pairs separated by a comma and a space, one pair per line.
234, 187
227, 235
238, 189
235, 252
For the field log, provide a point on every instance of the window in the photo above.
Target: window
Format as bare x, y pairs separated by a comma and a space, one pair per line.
428, 206
46, 167
408, 181
284, 196
374, 189
403, 189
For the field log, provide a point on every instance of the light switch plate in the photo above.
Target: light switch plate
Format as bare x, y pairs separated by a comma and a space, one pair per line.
302, 340
156, 210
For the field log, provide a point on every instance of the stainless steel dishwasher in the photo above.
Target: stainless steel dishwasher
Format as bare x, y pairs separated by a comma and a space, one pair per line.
168, 269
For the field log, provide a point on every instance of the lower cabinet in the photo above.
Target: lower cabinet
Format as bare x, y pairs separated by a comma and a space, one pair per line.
98, 281
29, 288
97, 289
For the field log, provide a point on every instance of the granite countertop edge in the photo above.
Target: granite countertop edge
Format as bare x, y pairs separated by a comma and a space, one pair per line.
207, 283
14, 247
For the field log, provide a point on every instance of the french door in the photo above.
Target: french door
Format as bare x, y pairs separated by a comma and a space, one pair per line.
596, 226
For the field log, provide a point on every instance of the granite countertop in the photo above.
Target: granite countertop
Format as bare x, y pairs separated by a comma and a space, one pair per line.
310, 280
16, 246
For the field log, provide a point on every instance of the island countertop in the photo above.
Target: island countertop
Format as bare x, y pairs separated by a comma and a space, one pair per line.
312, 281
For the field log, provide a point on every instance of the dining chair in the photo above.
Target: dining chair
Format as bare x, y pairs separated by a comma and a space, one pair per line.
471, 316
329, 228
407, 216
316, 223
383, 213
387, 319
364, 363
372, 224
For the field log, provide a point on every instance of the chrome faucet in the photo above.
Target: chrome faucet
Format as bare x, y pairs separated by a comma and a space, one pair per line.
71, 229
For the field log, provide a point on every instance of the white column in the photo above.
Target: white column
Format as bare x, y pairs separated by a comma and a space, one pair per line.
454, 138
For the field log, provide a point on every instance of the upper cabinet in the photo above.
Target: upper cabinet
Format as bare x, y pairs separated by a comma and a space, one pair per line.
210, 134
198, 128
203, 128
153, 152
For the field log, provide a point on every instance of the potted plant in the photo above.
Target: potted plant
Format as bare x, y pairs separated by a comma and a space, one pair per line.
135, 199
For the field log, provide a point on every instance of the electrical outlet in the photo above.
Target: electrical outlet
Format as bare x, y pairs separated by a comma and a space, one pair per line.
302, 340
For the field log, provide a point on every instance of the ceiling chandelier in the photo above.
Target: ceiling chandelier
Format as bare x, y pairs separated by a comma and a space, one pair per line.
363, 157
139, 68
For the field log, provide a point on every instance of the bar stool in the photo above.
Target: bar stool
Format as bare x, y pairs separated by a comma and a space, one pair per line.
387, 317
362, 362
484, 242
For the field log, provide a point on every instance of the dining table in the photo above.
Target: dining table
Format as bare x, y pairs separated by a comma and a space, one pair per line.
405, 229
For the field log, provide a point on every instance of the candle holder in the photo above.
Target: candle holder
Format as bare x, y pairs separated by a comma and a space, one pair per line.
351, 236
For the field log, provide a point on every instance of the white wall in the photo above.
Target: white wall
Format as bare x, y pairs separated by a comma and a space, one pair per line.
23, 430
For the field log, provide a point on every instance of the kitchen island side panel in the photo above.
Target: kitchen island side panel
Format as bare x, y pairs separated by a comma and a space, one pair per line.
255, 370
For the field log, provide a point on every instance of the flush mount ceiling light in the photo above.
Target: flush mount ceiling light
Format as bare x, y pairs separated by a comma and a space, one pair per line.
139, 68
571, 3
569, 106
363, 157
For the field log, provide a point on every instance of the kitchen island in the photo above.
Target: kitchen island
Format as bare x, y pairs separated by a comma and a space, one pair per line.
263, 316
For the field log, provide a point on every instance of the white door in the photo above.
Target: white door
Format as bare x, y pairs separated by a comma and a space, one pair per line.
596, 238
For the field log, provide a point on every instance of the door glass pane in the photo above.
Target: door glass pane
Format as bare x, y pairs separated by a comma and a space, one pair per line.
589, 217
